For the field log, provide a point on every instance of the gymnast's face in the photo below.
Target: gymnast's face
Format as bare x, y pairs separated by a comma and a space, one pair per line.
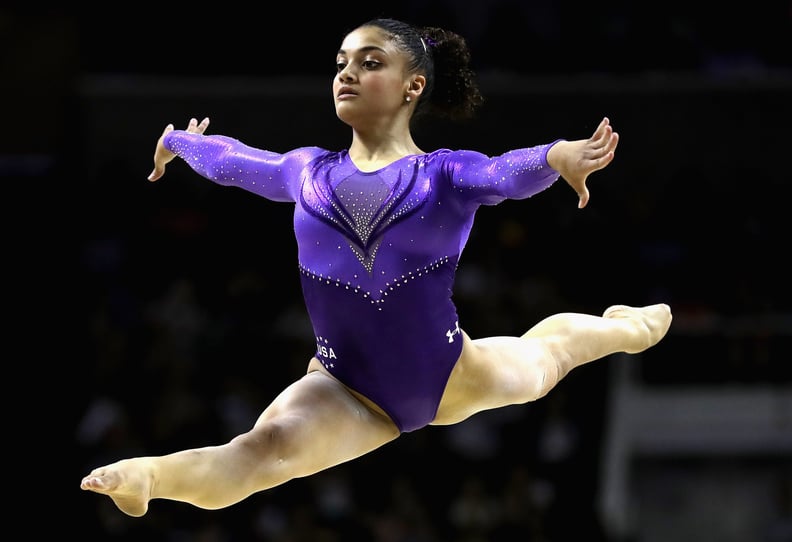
372, 81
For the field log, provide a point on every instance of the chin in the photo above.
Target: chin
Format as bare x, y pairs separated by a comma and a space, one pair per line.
344, 116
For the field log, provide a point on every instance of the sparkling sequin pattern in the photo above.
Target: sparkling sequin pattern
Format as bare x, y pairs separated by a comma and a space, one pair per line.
388, 288
364, 206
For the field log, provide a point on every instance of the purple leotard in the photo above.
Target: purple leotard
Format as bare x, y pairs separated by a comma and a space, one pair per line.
378, 252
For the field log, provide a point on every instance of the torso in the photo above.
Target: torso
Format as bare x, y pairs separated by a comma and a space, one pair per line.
378, 253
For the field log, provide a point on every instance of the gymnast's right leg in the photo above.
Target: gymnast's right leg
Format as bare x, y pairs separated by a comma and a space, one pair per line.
314, 424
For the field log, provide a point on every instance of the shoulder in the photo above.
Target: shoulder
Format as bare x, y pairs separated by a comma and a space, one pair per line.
312, 157
312, 153
454, 158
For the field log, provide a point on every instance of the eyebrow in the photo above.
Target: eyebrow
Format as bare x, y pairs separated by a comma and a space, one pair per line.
365, 49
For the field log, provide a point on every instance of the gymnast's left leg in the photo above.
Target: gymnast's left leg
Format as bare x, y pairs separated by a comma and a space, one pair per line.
498, 371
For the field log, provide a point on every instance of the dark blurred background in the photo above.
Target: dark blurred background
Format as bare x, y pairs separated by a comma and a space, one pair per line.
164, 316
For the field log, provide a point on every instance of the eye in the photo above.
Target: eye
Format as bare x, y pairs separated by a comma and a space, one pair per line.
371, 64
340, 65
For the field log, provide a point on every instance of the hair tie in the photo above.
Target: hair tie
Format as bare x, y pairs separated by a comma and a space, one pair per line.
429, 41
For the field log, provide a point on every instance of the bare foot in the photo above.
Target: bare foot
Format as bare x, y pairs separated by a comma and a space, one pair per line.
127, 482
653, 323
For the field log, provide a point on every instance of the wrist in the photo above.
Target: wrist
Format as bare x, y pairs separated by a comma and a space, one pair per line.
555, 153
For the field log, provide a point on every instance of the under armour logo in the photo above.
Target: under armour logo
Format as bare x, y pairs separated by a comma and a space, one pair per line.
451, 332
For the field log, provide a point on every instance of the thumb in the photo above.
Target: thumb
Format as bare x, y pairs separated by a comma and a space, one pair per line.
156, 173
583, 198
161, 155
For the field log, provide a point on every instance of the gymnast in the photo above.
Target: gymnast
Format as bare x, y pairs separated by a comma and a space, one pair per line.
380, 228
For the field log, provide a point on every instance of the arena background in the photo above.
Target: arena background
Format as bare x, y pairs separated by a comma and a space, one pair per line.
162, 316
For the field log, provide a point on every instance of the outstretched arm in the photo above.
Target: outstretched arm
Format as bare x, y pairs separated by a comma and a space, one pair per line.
230, 162
576, 160
162, 155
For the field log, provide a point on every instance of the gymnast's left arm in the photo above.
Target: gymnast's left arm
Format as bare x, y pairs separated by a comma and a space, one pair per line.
576, 160
522, 173
516, 174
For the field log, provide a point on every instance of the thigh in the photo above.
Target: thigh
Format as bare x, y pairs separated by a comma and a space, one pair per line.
322, 423
493, 372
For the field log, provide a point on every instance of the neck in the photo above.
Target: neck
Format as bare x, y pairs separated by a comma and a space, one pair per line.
373, 153
382, 144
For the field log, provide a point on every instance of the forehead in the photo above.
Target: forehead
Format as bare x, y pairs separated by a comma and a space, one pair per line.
367, 37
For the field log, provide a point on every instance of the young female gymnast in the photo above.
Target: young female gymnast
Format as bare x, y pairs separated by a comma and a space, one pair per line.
380, 228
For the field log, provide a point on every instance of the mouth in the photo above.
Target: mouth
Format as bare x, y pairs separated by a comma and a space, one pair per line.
345, 92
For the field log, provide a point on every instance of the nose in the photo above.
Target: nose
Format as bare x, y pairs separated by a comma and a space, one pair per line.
345, 75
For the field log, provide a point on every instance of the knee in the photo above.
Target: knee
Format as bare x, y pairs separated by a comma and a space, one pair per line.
553, 366
268, 440
268, 455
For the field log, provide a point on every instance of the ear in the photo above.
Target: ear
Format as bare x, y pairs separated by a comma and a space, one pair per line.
416, 87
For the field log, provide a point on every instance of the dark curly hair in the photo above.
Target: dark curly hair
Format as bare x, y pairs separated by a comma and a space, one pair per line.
443, 57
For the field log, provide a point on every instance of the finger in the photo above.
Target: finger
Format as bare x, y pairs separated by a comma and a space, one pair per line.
601, 148
603, 133
613, 141
604, 160
600, 130
606, 132
604, 124
201, 128
596, 164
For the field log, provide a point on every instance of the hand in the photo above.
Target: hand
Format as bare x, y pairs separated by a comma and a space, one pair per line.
576, 160
162, 155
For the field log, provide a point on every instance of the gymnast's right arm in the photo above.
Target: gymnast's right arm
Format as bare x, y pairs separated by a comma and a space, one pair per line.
229, 162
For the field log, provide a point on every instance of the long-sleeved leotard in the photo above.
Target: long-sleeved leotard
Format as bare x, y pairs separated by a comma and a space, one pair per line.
378, 252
